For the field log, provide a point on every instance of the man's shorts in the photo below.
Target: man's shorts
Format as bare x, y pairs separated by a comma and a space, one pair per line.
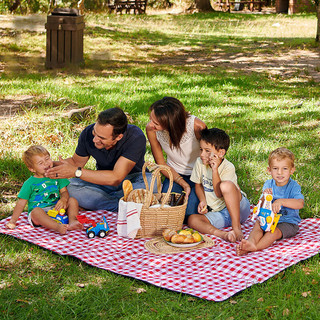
288, 230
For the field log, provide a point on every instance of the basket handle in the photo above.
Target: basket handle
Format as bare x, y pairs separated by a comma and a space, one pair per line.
152, 166
156, 174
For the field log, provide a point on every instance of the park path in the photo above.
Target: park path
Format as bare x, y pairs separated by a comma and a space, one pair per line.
33, 22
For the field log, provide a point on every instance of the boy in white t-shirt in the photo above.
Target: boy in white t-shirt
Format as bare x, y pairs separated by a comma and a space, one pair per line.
222, 204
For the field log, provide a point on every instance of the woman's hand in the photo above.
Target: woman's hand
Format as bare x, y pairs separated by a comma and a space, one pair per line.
187, 189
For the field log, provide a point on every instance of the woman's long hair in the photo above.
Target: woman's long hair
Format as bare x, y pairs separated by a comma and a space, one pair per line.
172, 116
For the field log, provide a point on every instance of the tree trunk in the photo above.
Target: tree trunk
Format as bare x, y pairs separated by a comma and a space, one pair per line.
203, 5
15, 5
318, 28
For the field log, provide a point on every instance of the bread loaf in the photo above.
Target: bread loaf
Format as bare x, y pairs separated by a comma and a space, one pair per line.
178, 238
140, 196
127, 188
189, 239
168, 234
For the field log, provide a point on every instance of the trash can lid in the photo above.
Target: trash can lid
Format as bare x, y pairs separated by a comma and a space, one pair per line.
65, 12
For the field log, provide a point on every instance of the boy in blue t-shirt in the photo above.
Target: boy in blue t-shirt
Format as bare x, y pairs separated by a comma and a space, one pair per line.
287, 200
43, 194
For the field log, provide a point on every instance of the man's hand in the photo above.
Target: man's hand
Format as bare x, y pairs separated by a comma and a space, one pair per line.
64, 170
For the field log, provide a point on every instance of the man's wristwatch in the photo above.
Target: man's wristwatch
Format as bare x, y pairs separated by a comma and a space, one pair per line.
78, 172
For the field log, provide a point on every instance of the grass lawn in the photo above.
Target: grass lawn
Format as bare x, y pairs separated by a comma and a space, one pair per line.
255, 76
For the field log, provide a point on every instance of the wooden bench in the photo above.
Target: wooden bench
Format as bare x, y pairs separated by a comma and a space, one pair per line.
227, 5
136, 6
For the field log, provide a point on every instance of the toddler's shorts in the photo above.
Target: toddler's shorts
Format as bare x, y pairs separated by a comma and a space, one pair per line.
288, 230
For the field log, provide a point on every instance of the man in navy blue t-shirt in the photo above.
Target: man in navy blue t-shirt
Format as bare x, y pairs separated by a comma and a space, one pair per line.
118, 149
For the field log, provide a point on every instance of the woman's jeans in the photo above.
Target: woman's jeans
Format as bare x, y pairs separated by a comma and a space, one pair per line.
193, 200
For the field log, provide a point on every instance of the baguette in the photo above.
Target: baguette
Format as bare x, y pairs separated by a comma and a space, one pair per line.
127, 188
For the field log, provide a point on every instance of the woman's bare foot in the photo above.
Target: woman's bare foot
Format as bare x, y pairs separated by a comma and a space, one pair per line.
245, 247
75, 225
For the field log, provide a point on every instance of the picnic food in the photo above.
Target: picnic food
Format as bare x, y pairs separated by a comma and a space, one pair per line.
182, 236
168, 234
204, 209
127, 188
140, 196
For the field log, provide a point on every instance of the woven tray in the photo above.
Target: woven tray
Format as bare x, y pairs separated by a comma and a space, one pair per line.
159, 246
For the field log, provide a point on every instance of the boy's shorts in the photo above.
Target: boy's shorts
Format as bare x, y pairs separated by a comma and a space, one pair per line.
287, 229
46, 209
221, 219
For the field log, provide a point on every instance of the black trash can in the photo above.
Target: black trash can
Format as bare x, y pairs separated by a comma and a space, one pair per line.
64, 38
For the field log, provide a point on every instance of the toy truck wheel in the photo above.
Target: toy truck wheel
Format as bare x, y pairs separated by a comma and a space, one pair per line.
91, 234
102, 233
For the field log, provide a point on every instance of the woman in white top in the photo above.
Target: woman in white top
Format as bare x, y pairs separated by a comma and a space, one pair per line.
174, 131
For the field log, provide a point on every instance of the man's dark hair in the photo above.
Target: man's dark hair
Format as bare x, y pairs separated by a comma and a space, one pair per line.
216, 137
116, 118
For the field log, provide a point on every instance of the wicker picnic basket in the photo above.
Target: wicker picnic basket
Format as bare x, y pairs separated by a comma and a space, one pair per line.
154, 220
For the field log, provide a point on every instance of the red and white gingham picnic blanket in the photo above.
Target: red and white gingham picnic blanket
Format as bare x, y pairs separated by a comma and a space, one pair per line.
214, 273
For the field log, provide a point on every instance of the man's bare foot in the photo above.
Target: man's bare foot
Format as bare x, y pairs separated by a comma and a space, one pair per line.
62, 228
244, 247
75, 225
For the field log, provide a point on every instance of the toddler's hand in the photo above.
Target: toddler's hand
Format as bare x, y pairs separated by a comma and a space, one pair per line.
60, 205
10, 225
276, 206
268, 191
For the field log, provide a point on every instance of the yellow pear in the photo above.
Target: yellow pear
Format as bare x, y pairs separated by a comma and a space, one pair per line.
185, 232
196, 237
